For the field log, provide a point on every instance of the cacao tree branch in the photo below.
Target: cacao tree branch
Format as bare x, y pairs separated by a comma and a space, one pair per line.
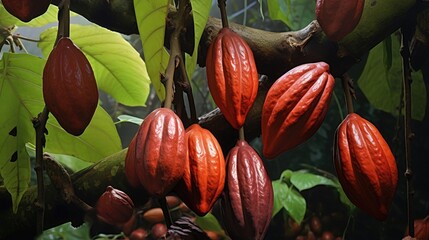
275, 53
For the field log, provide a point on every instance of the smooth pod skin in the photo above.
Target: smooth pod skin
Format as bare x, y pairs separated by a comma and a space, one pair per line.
295, 107
114, 207
69, 87
26, 10
337, 18
365, 166
232, 76
204, 177
247, 201
160, 154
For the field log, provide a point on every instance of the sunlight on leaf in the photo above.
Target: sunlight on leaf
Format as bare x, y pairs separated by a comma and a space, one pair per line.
382, 87
293, 202
150, 16
119, 69
19, 91
200, 12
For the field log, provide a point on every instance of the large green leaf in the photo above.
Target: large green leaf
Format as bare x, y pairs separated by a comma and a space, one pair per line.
294, 13
200, 12
118, 68
277, 204
209, 222
21, 98
150, 16
304, 180
6, 19
381, 83
19, 91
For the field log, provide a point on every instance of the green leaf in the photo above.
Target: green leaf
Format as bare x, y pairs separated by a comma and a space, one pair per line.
294, 13
343, 197
73, 163
7, 20
118, 67
200, 13
209, 222
382, 87
130, 119
150, 16
304, 180
277, 206
19, 94
293, 202
99, 140
66, 231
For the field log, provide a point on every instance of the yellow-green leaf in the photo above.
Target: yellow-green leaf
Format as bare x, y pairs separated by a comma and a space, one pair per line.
150, 16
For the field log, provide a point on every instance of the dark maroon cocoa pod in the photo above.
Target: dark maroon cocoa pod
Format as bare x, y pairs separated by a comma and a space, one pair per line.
114, 207
247, 201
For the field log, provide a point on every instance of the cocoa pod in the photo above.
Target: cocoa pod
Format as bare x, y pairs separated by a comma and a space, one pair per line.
160, 152
114, 207
295, 107
365, 166
421, 228
69, 87
247, 201
130, 165
232, 76
337, 18
204, 176
26, 10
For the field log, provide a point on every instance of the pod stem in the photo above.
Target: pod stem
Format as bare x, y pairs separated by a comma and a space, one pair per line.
408, 134
167, 217
241, 134
63, 20
39, 124
222, 6
349, 92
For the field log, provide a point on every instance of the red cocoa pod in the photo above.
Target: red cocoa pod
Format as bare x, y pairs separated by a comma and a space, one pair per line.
421, 228
295, 107
231, 75
130, 165
337, 18
69, 87
114, 207
365, 166
26, 10
247, 201
160, 152
204, 176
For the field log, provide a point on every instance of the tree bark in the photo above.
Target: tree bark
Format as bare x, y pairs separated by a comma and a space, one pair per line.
275, 53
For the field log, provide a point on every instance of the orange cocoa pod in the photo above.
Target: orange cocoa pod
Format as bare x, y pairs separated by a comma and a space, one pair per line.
231, 75
69, 87
365, 166
295, 107
130, 165
204, 176
26, 10
160, 152
247, 201
337, 18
